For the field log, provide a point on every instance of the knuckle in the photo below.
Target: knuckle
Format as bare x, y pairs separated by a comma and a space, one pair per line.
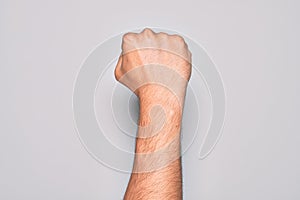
178, 38
147, 31
163, 35
128, 36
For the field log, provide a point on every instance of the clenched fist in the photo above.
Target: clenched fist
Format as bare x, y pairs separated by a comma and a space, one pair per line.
154, 63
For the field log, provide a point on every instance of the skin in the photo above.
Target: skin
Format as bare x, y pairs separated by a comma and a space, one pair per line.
156, 67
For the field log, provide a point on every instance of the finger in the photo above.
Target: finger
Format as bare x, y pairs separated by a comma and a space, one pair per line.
118, 68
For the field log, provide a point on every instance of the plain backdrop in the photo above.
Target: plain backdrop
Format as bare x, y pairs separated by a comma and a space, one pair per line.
255, 45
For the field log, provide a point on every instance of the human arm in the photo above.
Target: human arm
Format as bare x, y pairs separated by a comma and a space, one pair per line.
157, 68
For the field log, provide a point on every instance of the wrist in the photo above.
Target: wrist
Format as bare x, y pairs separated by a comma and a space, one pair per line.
158, 105
160, 120
155, 94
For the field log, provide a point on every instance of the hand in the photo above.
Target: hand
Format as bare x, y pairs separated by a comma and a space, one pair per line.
154, 63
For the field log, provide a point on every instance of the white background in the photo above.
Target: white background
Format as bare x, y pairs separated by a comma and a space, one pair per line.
254, 44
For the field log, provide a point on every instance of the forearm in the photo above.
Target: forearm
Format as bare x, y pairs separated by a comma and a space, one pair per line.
157, 166
165, 183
